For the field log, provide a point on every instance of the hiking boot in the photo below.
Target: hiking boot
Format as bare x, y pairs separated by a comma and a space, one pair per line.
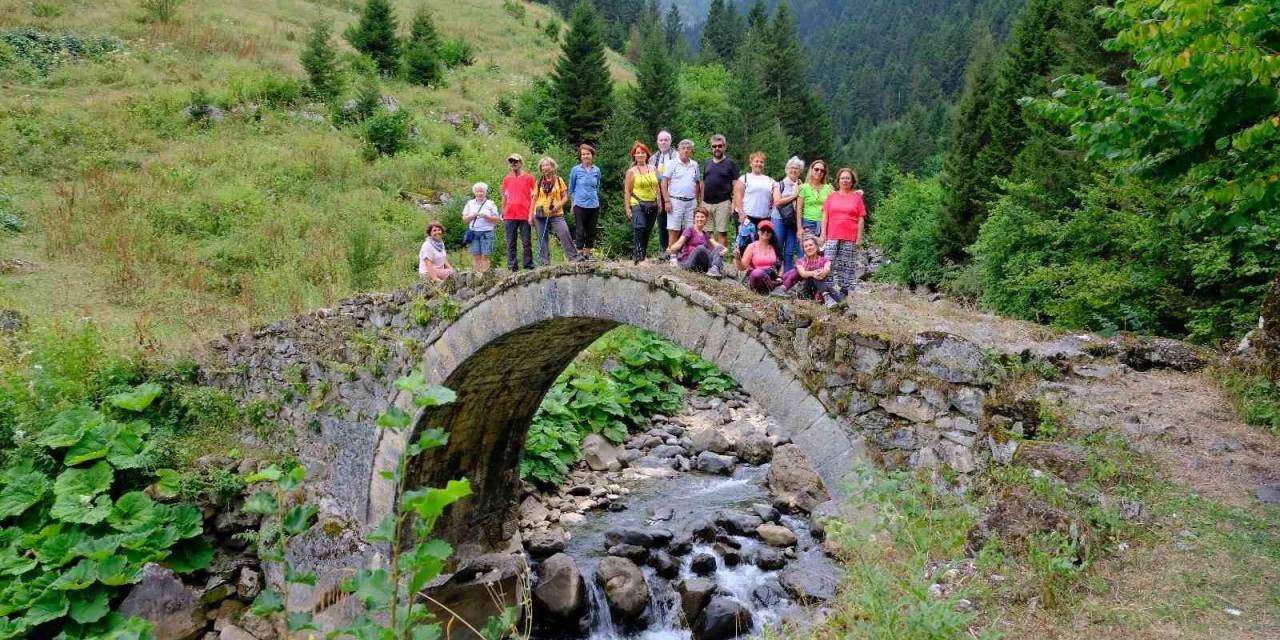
714, 272
780, 293
831, 302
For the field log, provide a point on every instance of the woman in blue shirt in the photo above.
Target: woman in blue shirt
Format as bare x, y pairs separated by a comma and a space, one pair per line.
584, 190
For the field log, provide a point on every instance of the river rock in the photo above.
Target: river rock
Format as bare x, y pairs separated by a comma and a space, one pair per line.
703, 528
600, 454
793, 481
715, 463
702, 564
232, 632
632, 552
776, 535
545, 542
770, 559
560, 591
765, 512
532, 511
624, 587
754, 448
742, 524
665, 565
694, 595
681, 543
722, 619
661, 514
730, 555
160, 598
710, 439
642, 537
668, 451
810, 581
768, 594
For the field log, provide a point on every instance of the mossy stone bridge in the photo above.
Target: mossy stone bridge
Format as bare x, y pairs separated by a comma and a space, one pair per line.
845, 393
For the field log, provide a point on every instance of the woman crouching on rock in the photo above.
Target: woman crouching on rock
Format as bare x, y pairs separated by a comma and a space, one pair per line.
760, 261
696, 250
433, 260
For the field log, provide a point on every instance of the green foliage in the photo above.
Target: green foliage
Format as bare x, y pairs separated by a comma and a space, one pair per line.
722, 32
387, 133
268, 88
375, 35
422, 63
514, 8
909, 229
583, 88
159, 10
967, 179
552, 30
366, 253
1255, 396
619, 382
389, 595
28, 53
672, 28
456, 52
320, 61
655, 101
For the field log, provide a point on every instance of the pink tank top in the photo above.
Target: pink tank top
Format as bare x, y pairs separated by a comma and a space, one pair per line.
763, 258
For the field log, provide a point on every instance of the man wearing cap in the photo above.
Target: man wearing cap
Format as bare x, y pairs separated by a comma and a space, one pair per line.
517, 200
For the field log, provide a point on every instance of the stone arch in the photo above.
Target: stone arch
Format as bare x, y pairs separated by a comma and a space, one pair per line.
507, 346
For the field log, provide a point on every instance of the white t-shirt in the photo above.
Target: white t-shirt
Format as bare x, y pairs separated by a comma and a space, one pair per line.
757, 195
480, 224
682, 178
429, 253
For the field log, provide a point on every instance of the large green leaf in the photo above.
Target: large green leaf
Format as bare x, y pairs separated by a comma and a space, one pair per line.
394, 418
94, 445
137, 399
90, 605
430, 503
81, 509
372, 587
58, 549
51, 605
267, 603
80, 576
15, 628
168, 483
298, 519
117, 570
98, 548
128, 450
191, 555
68, 427
434, 397
21, 492
131, 511
84, 482
186, 520
262, 502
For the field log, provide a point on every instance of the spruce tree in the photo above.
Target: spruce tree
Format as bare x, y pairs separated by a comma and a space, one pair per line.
375, 35
966, 179
422, 64
757, 127
320, 61
721, 33
757, 15
583, 87
800, 112
656, 99
673, 28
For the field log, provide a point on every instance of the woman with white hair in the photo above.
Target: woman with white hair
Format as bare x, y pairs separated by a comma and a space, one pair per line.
481, 216
784, 215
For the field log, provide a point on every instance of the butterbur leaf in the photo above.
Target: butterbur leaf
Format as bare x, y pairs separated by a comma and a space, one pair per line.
128, 451
168, 483
79, 576
261, 502
81, 509
434, 397
386, 530
94, 445
394, 418
191, 555
292, 479
299, 578
115, 570
68, 427
298, 519
270, 474
57, 549
98, 548
131, 511
16, 628
186, 521
299, 621
118, 627
267, 603
21, 492
51, 605
90, 605
413, 382
137, 399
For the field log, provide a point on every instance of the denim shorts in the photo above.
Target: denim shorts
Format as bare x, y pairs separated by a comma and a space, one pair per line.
482, 243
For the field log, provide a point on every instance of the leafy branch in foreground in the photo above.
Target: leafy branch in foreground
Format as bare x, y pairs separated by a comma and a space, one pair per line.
393, 610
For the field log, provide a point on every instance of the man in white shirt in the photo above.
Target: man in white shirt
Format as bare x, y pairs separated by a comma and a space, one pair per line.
681, 190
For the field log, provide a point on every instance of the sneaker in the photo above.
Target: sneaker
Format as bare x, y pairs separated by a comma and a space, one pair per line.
831, 302
674, 262
780, 293
714, 272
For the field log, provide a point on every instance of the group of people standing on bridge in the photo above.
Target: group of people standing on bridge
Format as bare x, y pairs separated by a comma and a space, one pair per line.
797, 234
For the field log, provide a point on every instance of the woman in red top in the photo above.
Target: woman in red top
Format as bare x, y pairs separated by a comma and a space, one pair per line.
842, 217
759, 261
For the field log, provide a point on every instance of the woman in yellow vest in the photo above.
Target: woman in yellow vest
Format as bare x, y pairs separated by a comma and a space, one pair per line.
640, 192
549, 197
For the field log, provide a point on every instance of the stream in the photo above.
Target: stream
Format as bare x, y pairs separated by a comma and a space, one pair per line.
687, 554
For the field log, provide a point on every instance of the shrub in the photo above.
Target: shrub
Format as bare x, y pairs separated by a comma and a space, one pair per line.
515, 9
271, 89
552, 29
159, 10
29, 53
456, 52
387, 133
11, 219
366, 253
908, 227
320, 61
535, 113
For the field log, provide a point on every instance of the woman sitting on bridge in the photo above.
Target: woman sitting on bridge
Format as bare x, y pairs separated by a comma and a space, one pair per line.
760, 261
696, 249
433, 260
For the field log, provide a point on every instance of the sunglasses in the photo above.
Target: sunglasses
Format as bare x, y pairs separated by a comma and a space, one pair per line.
717, 146
817, 170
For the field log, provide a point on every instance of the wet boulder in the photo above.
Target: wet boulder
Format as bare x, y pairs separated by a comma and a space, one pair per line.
723, 618
665, 565
776, 535
695, 593
560, 591
543, 543
600, 454
703, 564
634, 553
159, 597
624, 587
792, 480
741, 524
714, 463
650, 537
770, 559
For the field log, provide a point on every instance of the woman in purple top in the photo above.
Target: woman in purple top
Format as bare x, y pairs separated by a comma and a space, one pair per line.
812, 272
696, 249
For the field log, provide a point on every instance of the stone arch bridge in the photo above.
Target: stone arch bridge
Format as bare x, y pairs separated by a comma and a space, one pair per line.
845, 392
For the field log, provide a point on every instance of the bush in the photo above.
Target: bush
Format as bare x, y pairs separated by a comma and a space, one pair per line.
456, 52
320, 61
30, 53
387, 133
366, 253
515, 9
552, 29
159, 10
534, 114
908, 227
270, 89
11, 219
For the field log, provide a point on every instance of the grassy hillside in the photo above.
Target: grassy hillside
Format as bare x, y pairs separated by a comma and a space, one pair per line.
171, 231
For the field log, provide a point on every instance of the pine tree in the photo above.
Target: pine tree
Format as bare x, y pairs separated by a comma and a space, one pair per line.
583, 87
721, 33
673, 28
375, 35
320, 61
756, 127
422, 64
800, 112
966, 178
757, 15
656, 99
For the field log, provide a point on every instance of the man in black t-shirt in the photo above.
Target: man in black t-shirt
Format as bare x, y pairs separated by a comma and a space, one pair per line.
718, 175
